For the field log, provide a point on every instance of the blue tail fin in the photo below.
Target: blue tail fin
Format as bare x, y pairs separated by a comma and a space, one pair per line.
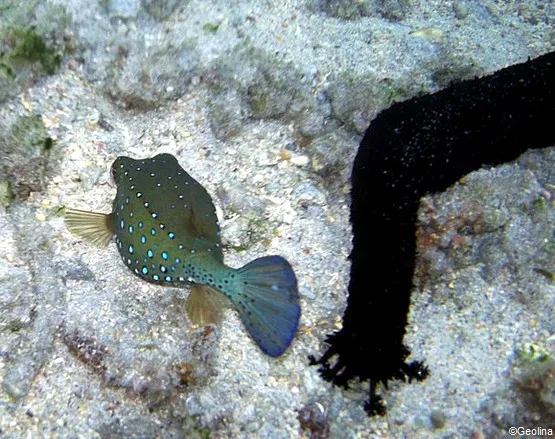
267, 299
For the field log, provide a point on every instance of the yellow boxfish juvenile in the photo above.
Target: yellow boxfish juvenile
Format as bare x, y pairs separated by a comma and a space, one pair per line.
167, 233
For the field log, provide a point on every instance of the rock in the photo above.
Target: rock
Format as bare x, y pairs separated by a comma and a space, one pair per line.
35, 304
127, 9
307, 193
349, 10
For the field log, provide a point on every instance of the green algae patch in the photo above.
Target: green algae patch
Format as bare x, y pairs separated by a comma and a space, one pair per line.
6, 193
30, 133
531, 353
27, 48
30, 157
210, 27
33, 40
535, 382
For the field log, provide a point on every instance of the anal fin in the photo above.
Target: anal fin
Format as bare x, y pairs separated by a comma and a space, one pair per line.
205, 304
93, 226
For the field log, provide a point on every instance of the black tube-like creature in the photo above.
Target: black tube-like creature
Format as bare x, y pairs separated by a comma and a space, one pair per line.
416, 147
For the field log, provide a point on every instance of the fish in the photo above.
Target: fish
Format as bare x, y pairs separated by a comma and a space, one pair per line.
167, 233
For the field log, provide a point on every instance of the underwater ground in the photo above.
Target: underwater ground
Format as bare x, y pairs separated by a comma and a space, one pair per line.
263, 103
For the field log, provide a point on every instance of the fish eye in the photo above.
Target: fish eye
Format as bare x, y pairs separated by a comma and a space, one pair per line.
114, 173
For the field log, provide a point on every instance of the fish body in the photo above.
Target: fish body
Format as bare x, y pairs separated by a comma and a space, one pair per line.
166, 231
165, 223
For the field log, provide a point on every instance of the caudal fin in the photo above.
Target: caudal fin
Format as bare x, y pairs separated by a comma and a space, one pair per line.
267, 299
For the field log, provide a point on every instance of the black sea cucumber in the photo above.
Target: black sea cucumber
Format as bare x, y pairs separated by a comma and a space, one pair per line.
416, 147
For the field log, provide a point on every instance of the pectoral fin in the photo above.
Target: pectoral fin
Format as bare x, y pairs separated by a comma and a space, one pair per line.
92, 226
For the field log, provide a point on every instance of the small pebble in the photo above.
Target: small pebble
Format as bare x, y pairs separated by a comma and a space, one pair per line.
460, 9
300, 160
438, 419
308, 193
